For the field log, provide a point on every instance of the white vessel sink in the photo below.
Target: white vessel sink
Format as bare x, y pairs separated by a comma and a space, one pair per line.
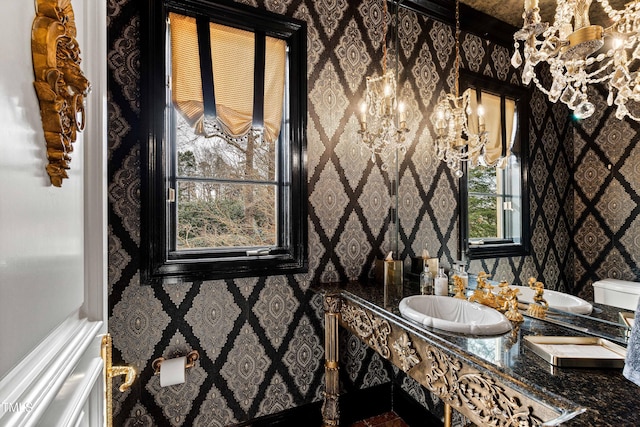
454, 315
556, 300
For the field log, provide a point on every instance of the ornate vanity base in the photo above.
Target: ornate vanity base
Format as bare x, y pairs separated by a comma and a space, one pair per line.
480, 395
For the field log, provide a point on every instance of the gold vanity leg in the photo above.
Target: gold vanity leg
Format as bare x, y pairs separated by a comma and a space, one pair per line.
113, 371
330, 406
447, 415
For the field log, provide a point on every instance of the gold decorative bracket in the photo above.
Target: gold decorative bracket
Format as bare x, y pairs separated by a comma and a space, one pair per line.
59, 83
113, 371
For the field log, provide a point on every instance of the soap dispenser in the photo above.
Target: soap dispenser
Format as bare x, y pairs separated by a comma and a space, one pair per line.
426, 281
441, 283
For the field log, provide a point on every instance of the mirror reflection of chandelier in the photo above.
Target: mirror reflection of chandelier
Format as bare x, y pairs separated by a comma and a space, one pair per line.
580, 54
383, 120
457, 140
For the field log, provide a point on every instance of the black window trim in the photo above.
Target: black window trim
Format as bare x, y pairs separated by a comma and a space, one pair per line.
159, 263
498, 248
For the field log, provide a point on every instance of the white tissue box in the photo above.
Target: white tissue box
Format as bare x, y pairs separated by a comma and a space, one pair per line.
618, 293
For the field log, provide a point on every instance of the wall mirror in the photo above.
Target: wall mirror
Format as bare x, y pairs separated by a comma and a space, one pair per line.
494, 196
429, 199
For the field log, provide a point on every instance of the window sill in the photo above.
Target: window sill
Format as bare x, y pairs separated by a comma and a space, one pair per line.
496, 250
188, 270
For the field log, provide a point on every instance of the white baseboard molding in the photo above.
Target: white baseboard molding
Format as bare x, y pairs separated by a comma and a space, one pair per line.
28, 389
69, 408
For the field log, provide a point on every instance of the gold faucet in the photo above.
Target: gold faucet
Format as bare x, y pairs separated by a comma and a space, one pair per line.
539, 306
506, 301
482, 294
510, 302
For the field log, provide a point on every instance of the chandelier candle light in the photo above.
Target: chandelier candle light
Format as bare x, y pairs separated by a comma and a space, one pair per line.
580, 54
456, 141
383, 119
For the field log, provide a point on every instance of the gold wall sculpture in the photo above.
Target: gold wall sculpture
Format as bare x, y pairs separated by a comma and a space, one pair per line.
59, 82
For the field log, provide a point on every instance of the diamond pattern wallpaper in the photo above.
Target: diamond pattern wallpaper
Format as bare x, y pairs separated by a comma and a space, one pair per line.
607, 197
261, 339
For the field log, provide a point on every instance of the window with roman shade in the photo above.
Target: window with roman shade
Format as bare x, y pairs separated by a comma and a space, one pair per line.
216, 73
224, 167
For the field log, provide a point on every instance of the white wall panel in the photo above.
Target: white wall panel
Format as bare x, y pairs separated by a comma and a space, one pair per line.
41, 226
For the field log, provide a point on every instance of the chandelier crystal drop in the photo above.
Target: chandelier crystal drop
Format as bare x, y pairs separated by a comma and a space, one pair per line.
383, 119
456, 140
580, 54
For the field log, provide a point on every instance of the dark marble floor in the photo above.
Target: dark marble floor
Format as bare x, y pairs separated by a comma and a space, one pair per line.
389, 419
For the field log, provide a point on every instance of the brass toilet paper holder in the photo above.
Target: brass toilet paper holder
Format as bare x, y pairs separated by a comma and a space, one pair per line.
192, 358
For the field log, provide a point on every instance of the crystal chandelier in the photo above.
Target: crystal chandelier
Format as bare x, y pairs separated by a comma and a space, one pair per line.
383, 119
456, 141
580, 54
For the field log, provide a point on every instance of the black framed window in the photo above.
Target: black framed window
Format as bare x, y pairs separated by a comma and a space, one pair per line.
224, 174
494, 199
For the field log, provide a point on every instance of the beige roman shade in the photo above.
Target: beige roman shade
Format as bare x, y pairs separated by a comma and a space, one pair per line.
493, 122
233, 54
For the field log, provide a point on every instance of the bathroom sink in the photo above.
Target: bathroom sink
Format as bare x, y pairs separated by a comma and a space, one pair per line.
454, 315
557, 300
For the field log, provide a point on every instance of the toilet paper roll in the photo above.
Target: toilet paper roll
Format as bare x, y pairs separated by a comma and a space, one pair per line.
172, 371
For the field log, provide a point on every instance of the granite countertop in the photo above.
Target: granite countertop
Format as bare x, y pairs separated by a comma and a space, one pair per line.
610, 399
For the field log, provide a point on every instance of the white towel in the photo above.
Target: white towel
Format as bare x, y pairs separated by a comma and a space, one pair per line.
632, 363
